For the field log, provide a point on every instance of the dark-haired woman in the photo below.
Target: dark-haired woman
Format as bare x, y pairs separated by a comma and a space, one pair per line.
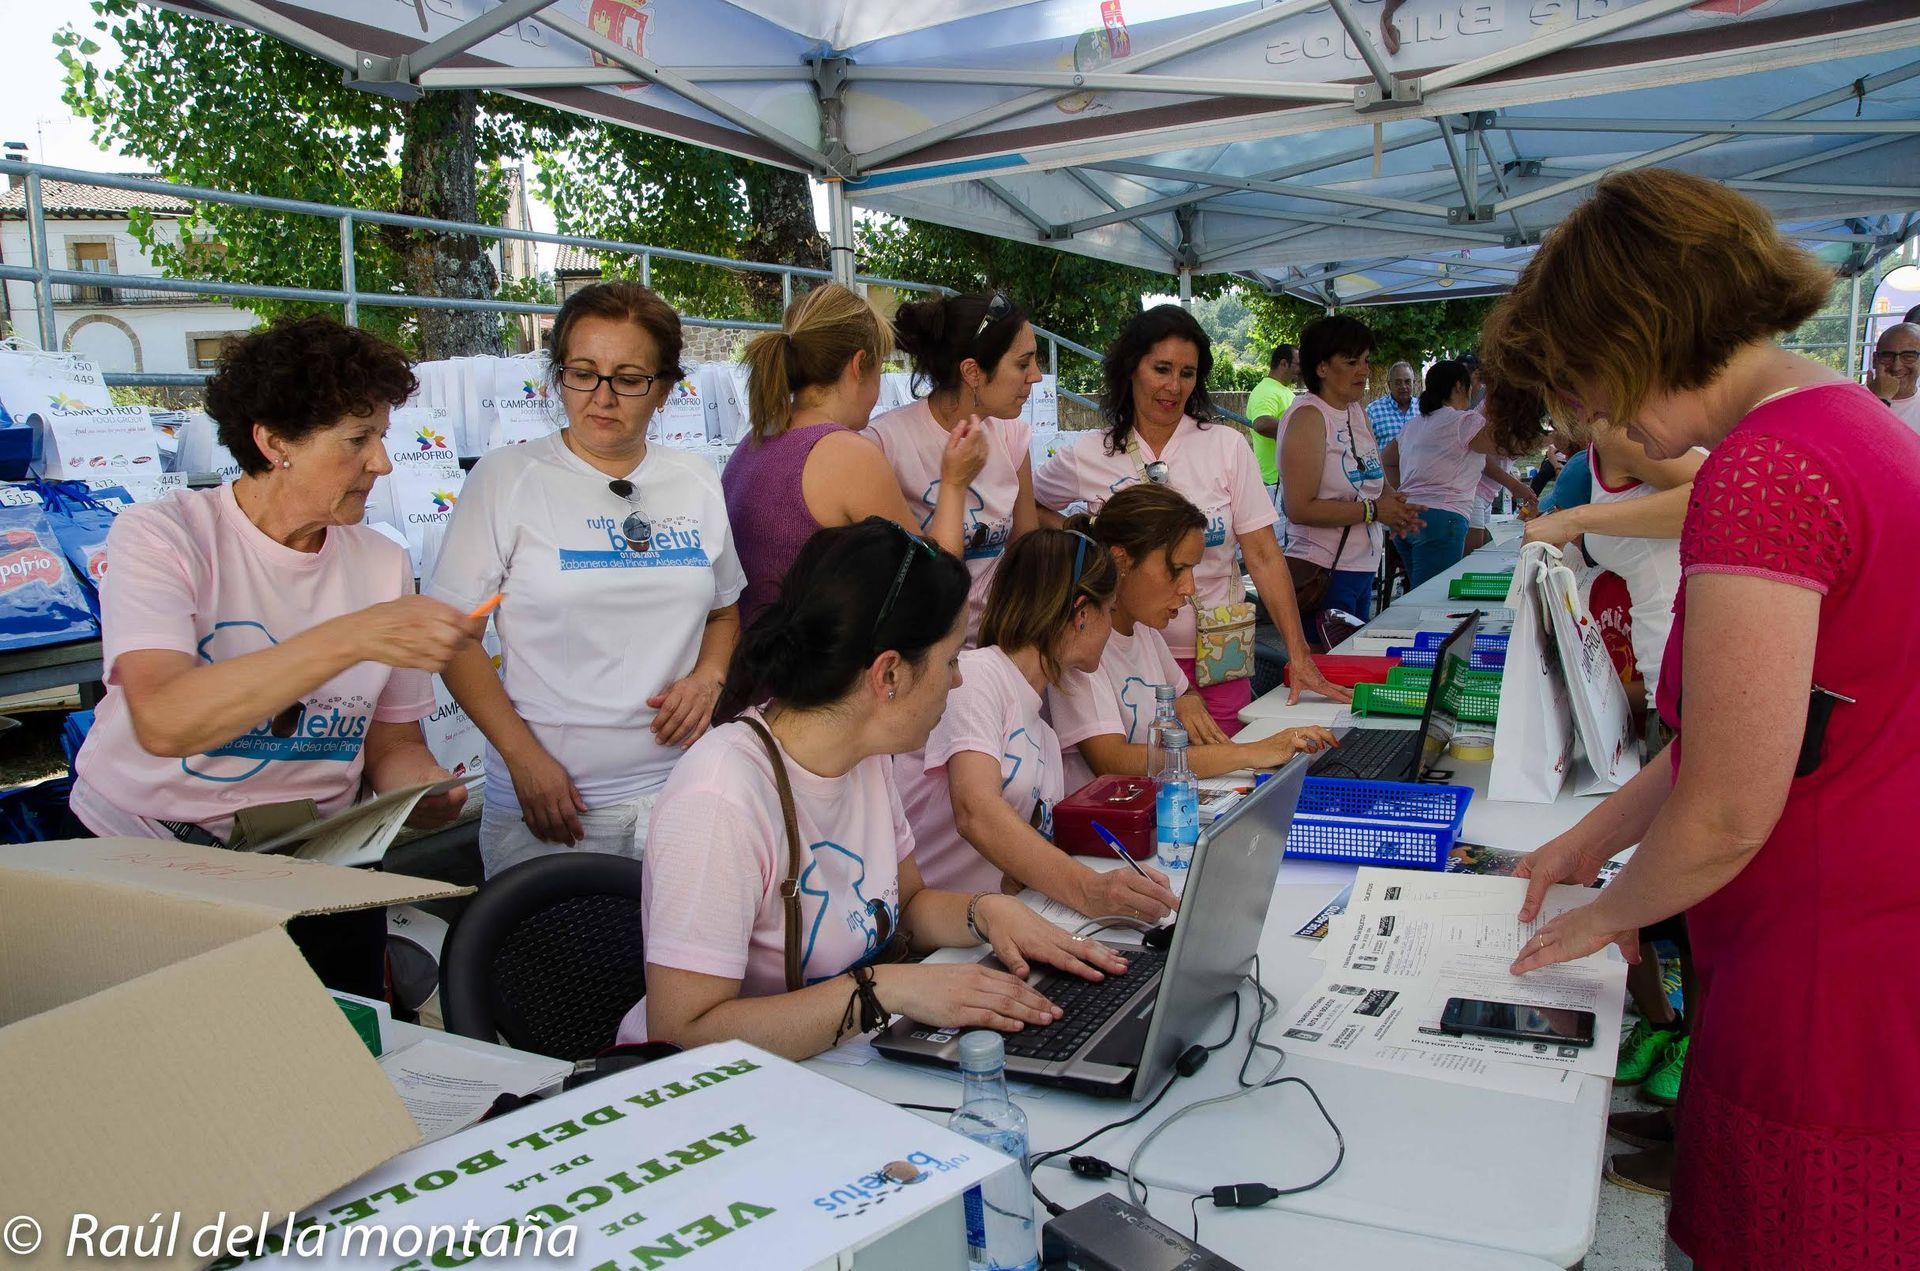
1155, 539
1333, 485
1437, 462
978, 356
261, 645
858, 655
620, 580
980, 795
1155, 405
811, 388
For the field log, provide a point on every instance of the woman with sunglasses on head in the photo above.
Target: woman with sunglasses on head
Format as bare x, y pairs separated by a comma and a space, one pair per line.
620, 583
978, 355
1773, 820
1155, 406
811, 388
980, 796
1333, 486
797, 796
1155, 539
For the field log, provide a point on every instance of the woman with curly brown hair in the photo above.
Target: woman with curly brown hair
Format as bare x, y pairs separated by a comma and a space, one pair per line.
260, 645
1791, 674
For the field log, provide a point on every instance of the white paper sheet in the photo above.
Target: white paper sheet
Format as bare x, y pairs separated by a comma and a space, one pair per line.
448, 1087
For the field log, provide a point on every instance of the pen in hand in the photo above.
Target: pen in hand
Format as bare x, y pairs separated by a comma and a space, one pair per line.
1119, 849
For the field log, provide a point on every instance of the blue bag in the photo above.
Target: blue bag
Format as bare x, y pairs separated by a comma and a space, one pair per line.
81, 518
40, 600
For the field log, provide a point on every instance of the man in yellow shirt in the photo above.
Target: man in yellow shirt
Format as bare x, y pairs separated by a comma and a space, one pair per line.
1267, 406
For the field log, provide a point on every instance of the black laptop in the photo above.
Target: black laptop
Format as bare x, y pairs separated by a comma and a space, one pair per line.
1399, 754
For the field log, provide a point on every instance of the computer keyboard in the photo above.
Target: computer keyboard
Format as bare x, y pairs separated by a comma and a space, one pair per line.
1085, 1004
1366, 754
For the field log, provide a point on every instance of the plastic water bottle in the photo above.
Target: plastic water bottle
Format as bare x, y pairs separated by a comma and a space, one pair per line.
1176, 808
999, 1211
1163, 719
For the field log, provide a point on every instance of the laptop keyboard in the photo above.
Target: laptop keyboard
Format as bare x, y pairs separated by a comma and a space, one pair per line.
1365, 754
1086, 1005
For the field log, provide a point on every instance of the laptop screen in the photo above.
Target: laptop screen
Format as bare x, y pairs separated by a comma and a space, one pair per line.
1449, 670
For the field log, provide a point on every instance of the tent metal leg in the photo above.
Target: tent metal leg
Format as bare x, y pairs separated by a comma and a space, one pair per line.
840, 233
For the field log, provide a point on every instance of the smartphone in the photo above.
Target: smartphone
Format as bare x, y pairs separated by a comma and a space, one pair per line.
1472, 1017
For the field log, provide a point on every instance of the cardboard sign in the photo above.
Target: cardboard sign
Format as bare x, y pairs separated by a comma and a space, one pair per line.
32, 382
96, 442
722, 1157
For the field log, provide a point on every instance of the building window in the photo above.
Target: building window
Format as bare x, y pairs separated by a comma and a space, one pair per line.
203, 351
92, 257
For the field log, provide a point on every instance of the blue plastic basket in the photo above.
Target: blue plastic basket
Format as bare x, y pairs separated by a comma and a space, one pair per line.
1480, 659
1481, 639
1378, 822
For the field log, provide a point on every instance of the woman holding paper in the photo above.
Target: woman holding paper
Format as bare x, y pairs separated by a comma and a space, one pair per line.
619, 579
797, 797
978, 357
1792, 682
260, 645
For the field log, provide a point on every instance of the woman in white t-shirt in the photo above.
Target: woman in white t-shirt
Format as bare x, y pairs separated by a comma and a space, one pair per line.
980, 796
1155, 538
978, 356
620, 581
1155, 406
859, 653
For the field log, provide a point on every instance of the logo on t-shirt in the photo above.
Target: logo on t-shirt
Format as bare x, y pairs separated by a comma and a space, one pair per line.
836, 880
1216, 527
1023, 761
1137, 702
676, 542
984, 539
315, 729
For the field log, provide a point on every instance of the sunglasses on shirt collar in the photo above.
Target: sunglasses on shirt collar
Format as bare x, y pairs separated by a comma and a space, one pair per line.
636, 529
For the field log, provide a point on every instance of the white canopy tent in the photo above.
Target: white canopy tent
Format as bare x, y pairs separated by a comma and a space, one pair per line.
1341, 150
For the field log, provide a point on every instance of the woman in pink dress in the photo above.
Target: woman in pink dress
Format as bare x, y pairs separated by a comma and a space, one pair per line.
1780, 822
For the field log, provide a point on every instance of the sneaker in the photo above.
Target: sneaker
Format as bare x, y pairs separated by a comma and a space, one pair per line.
1664, 1085
1641, 1052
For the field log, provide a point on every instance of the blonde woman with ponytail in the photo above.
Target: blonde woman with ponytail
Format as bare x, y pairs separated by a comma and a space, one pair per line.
811, 387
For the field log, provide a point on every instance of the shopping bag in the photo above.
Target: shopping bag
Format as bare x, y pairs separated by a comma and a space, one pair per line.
40, 600
1533, 744
1602, 718
723, 385
1043, 404
32, 381
422, 503
681, 421
453, 738
518, 403
422, 437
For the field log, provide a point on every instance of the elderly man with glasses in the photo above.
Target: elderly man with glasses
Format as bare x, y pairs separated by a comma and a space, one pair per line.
1390, 414
1896, 371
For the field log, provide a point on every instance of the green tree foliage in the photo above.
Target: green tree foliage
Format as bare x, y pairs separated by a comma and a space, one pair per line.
1416, 333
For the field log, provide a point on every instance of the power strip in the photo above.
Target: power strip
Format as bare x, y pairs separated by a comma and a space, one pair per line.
1109, 1234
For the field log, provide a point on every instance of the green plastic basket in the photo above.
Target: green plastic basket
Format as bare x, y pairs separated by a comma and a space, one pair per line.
1477, 700
1480, 586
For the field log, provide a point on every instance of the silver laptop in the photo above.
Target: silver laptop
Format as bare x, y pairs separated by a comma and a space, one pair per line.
1120, 1037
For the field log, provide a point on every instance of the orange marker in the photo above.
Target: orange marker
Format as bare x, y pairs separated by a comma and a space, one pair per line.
488, 605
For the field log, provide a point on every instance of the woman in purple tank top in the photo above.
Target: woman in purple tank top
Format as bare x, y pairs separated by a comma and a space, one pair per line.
811, 387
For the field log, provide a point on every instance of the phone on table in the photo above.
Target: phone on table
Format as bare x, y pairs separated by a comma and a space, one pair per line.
1473, 1017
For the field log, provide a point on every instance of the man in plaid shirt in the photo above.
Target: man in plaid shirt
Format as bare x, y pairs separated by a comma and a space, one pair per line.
1390, 414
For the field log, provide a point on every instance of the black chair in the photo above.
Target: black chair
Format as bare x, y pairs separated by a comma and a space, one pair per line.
549, 955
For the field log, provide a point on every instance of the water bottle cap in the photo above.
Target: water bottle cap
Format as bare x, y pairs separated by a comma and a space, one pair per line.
982, 1051
1164, 692
1174, 738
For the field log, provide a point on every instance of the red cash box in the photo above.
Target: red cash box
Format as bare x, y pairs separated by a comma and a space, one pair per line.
1123, 804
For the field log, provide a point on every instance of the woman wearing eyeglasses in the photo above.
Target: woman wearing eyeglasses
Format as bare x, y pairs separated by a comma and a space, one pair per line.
797, 798
620, 584
811, 388
980, 796
1332, 482
978, 356
1155, 406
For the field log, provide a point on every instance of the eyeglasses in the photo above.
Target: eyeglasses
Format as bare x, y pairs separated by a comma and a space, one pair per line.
636, 529
915, 545
1906, 357
997, 308
626, 384
1156, 472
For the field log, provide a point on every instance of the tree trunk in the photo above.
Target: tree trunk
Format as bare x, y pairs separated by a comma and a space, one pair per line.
780, 203
439, 179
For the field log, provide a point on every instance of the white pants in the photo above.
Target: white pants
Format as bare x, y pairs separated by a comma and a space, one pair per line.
619, 829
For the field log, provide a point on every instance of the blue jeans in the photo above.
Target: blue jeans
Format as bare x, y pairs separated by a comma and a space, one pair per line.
1352, 591
1436, 548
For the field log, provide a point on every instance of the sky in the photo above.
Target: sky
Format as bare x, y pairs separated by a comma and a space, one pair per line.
30, 82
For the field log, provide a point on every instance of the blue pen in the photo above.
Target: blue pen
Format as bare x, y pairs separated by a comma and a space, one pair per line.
1119, 849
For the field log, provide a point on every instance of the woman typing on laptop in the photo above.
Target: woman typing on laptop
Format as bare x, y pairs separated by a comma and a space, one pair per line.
781, 889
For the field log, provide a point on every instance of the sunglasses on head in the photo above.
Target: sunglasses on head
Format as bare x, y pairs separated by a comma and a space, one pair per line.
636, 529
998, 307
915, 546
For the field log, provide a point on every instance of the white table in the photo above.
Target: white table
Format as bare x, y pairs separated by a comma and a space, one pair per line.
1436, 1175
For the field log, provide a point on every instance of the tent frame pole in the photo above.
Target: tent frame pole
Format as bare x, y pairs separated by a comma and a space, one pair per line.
840, 233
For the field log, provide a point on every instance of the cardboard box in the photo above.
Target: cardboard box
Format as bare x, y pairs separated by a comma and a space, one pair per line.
166, 1048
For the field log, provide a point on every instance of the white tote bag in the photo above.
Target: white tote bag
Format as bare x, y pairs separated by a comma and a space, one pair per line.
1533, 742
32, 382
1601, 716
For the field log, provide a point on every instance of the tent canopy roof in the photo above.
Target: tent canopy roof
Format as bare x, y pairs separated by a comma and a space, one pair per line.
1338, 149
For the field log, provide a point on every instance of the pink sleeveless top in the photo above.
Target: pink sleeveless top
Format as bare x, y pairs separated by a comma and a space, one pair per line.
1349, 470
768, 511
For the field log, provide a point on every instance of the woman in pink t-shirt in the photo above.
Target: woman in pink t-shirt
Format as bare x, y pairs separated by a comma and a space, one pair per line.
260, 644
980, 796
978, 356
1155, 406
1155, 539
859, 654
